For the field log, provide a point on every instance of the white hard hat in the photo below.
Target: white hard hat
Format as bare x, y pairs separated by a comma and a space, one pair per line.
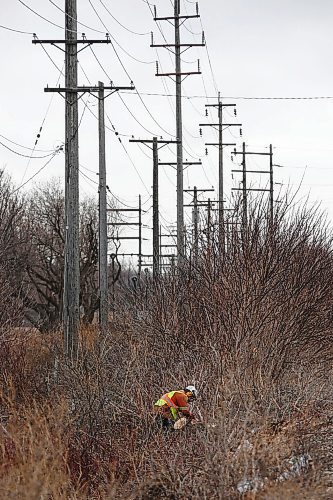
192, 390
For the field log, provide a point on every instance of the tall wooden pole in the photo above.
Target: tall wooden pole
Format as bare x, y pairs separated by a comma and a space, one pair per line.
195, 224
103, 235
179, 134
156, 256
72, 263
271, 184
244, 188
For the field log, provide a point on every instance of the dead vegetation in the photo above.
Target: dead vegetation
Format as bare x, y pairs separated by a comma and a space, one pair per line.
250, 325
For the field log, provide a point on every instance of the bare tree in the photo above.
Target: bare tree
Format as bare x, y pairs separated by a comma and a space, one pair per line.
12, 250
45, 265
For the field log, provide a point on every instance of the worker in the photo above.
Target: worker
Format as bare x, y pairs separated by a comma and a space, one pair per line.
172, 405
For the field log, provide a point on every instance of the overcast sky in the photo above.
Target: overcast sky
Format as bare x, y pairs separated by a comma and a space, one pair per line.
255, 48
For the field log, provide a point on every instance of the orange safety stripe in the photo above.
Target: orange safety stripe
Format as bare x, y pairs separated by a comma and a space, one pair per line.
168, 401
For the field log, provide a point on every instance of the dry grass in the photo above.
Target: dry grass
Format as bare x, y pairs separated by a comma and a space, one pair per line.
251, 326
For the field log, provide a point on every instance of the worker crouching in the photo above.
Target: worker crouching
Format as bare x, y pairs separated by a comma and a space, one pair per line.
174, 405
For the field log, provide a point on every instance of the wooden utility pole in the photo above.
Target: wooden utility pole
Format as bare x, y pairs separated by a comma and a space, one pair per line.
178, 76
220, 126
155, 144
271, 184
71, 312
244, 172
156, 224
139, 237
196, 204
103, 228
71, 303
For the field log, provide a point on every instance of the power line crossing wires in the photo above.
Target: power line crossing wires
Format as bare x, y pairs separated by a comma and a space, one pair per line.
122, 25
42, 17
78, 22
36, 173
126, 72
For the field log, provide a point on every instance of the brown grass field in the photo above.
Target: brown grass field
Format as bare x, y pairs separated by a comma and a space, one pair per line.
251, 326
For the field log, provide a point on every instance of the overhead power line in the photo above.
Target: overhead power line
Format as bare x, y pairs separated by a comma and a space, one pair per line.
67, 15
120, 24
300, 98
16, 31
25, 156
127, 73
26, 147
36, 173
42, 17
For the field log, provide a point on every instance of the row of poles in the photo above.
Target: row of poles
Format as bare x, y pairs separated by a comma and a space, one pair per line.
71, 93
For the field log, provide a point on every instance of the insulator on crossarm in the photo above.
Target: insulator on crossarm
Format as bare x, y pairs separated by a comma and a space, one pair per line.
235, 112
240, 132
155, 11
198, 66
152, 38
206, 152
206, 112
156, 67
197, 8
203, 38
200, 131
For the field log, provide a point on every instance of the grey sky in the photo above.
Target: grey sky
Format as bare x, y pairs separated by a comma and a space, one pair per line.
271, 48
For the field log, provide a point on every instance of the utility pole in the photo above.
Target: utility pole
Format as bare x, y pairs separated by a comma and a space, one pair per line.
71, 312
139, 237
154, 145
71, 298
196, 204
103, 228
178, 77
271, 184
244, 172
220, 126
195, 222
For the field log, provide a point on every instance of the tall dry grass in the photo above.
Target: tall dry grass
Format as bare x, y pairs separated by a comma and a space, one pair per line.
250, 325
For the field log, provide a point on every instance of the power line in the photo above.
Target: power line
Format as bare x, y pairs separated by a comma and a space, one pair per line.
122, 100
120, 24
26, 147
44, 18
25, 156
34, 175
124, 68
156, 94
16, 31
114, 39
67, 15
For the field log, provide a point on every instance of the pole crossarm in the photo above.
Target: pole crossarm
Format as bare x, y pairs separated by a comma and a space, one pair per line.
249, 153
159, 141
123, 209
249, 189
197, 190
89, 89
254, 171
217, 124
170, 18
71, 42
126, 238
218, 144
218, 105
184, 163
123, 223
